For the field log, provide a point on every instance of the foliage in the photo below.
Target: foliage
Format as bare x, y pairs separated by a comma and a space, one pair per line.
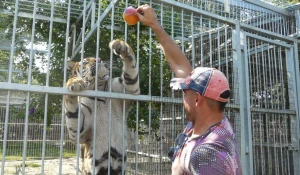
282, 3
37, 62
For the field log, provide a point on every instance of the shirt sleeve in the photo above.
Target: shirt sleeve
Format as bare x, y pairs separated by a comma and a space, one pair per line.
208, 159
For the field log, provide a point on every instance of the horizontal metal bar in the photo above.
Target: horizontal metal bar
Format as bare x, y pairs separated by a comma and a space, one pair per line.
31, 123
6, 70
88, 93
37, 16
273, 145
268, 40
268, 6
156, 156
250, 28
32, 140
273, 111
188, 8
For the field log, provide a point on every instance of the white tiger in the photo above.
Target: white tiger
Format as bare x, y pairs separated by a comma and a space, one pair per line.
128, 80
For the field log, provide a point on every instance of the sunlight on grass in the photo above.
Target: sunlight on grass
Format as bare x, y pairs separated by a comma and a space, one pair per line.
34, 165
14, 151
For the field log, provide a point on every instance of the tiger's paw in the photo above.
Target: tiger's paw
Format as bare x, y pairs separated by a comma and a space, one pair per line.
120, 47
76, 84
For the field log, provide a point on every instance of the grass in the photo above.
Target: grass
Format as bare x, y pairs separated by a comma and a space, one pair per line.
33, 165
14, 150
9, 172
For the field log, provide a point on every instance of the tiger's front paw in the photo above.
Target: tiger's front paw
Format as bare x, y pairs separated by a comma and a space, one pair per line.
120, 47
76, 84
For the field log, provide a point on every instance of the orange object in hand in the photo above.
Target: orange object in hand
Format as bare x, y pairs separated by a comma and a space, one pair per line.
129, 16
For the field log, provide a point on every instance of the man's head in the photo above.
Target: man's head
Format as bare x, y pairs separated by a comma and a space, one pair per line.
208, 82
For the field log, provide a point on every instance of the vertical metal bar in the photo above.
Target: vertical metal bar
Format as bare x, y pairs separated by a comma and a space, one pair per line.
93, 14
5, 131
287, 165
276, 77
260, 115
110, 86
218, 45
246, 141
32, 43
201, 42
9, 81
297, 75
44, 133
29, 83
210, 43
267, 119
137, 103
161, 94
281, 73
251, 70
78, 148
226, 52
173, 107
124, 127
137, 139
297, 16
62, 127
269, 23
281, 165
150, 93
74, 37
193, 42
273, 23
96, 80
47, 84
293, 70
25, 133
226, 6
283, 99
270, 74
182, 49
12, 49
257, 73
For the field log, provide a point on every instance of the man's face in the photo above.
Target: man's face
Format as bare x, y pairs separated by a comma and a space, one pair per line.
189, 103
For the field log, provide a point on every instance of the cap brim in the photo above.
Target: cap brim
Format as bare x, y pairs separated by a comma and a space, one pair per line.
178, 84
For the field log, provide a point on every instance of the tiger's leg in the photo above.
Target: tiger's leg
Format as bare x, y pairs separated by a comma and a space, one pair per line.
130, 76
72, 109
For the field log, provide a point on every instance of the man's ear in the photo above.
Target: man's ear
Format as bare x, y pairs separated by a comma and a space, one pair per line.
198, 99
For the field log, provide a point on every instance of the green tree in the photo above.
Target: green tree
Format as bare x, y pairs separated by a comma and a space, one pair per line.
39, 72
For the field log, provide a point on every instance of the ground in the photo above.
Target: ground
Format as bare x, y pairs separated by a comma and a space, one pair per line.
33, 167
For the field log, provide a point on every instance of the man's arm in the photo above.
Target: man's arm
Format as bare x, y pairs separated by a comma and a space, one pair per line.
178, 62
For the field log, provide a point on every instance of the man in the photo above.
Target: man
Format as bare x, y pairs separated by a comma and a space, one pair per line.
207, 146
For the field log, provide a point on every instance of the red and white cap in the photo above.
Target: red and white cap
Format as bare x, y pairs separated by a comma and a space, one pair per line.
209, 82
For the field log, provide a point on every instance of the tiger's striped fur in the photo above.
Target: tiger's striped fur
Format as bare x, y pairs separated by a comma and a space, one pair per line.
129, 81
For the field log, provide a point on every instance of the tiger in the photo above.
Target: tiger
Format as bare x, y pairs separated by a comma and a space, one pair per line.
79, 80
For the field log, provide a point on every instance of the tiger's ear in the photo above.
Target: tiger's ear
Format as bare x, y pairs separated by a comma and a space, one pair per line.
70, 65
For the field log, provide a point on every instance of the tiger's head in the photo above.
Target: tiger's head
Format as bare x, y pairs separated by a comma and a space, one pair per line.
88, 74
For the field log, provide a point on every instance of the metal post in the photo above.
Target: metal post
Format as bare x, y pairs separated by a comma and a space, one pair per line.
293, 76
241, 65
297, 16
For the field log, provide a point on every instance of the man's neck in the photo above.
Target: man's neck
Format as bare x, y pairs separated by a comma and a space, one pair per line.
203, 123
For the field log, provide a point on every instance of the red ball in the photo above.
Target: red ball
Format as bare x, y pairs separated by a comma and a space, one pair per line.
129, 16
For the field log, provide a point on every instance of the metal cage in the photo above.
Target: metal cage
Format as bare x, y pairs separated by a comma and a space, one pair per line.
255, 44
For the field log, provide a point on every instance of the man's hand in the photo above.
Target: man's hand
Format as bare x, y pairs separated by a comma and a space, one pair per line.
147, 16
